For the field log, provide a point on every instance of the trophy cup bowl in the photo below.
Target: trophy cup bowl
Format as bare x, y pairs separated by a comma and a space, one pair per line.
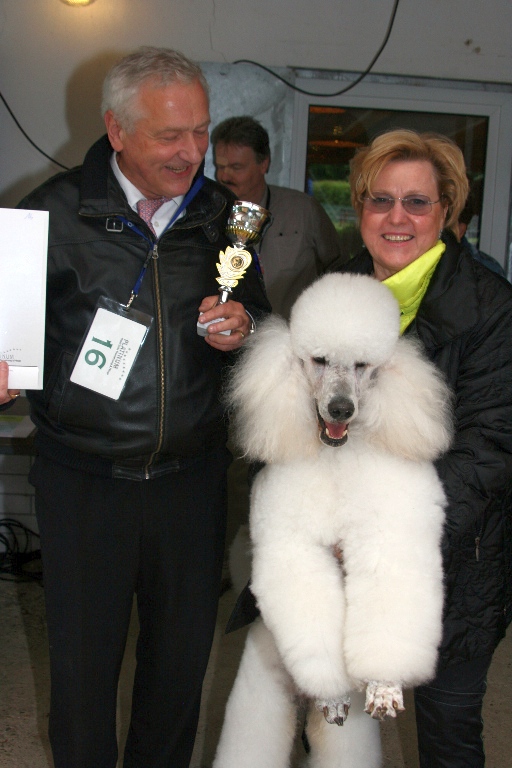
246, 224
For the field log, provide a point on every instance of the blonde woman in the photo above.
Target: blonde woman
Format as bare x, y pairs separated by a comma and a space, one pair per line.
408, 190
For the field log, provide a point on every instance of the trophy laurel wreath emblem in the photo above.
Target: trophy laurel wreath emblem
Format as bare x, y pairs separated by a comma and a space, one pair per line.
233, 263
246, 224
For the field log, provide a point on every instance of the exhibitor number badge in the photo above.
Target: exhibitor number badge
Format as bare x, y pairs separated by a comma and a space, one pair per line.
110, 348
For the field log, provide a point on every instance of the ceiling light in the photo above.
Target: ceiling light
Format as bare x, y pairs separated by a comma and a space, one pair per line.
78, 2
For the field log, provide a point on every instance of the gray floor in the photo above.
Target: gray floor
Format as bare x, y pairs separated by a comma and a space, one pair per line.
24, 690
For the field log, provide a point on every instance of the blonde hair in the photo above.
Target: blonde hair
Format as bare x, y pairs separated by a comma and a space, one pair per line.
442, 153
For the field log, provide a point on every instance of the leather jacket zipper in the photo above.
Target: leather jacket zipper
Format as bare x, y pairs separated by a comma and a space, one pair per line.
161, 367
153, 252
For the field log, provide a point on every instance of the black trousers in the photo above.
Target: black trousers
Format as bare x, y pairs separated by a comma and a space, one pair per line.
449, 716
102, 541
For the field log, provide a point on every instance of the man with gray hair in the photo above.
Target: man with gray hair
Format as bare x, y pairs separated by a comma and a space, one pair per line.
130, 477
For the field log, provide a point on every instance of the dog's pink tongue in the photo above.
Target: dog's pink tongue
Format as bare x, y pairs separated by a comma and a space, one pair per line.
336, 431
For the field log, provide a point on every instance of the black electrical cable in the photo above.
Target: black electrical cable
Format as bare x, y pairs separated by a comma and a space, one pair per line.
256, 64
15, 556
343, 90
28, 137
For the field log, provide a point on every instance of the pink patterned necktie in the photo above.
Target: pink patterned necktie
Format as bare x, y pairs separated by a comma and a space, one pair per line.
147, 209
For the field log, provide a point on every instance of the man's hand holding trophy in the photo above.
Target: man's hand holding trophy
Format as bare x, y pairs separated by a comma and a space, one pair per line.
245, 226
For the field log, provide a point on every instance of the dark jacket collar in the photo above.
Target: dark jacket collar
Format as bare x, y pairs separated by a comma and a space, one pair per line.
450, 306
95, 177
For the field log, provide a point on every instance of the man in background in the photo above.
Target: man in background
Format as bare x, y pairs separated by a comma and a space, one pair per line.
301, 242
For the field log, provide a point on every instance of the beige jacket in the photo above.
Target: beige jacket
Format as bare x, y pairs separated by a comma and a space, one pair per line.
298, 246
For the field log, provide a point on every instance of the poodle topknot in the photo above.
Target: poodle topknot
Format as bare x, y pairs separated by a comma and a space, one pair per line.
345, 318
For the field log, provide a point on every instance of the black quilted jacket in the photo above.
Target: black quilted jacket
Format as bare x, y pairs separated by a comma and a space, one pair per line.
465, 324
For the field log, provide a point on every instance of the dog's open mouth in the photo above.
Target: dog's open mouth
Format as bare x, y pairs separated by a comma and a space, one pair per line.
332, 433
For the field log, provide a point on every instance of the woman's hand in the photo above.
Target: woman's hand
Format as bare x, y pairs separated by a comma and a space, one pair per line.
6, 395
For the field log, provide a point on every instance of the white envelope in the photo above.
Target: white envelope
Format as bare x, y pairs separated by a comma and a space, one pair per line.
23, 256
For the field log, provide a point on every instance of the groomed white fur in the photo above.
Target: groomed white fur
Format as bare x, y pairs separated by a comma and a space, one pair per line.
346, 537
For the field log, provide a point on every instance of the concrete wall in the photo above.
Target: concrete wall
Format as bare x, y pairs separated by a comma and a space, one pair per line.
17, 496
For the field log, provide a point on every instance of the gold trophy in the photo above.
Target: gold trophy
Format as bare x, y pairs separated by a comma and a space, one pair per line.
246, 224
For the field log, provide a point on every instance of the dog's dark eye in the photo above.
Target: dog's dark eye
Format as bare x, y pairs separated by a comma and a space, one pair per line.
360, 366
320, 360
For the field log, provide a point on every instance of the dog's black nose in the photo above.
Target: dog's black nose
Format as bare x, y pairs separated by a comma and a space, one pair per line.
341, 408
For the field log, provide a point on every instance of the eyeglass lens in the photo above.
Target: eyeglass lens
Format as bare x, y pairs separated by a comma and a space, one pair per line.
416, 205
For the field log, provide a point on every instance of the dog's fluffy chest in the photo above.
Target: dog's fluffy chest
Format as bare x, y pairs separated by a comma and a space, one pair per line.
320, 499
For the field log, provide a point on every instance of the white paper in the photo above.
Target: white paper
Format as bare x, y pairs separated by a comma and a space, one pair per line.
108, 353
23, 255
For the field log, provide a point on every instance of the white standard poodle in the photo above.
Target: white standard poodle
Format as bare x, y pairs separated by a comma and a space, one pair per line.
346, 522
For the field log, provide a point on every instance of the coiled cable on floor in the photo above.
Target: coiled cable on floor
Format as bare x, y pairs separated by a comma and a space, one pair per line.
16, 545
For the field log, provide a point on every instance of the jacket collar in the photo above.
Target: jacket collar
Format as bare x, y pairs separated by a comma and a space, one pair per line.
450, 306
100, 192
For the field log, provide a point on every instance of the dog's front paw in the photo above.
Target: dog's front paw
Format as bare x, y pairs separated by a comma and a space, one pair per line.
383, 699
335, 711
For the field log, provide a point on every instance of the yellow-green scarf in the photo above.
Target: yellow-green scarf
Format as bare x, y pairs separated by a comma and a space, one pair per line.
410, 284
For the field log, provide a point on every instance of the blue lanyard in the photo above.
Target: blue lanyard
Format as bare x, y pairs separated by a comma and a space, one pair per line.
153, 251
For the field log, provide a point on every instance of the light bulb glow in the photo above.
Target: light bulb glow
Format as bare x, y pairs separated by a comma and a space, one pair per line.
78, 2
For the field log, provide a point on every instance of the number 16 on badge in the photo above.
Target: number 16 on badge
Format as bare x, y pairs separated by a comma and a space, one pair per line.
110, 348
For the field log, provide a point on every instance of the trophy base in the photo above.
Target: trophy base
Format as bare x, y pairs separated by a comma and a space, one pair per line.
202, 328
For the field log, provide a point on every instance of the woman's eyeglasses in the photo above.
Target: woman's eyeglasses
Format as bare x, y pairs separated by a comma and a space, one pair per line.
416, 205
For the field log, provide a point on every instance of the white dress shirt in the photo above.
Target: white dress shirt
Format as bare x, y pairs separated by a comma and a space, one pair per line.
162, 216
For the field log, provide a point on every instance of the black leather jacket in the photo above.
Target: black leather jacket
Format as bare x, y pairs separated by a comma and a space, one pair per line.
465, 325
170, 408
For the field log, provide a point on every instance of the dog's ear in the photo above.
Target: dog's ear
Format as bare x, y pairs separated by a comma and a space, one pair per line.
273, 410
409, 408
